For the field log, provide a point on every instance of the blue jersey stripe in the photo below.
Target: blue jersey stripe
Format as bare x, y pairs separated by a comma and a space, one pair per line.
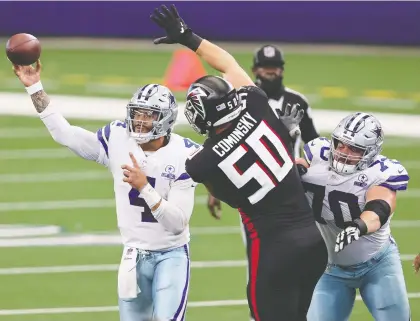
399, 187
308, 152
183, 177
104, 139
398, 178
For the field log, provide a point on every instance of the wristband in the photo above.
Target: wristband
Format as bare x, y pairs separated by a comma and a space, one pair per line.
361, 225
192, 41
295, 132
150, 195
34, 88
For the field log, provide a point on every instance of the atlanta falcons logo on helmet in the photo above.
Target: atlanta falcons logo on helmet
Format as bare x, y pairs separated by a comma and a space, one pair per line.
195, 101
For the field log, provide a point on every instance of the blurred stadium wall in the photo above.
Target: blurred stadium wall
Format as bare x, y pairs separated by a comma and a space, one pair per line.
380, 23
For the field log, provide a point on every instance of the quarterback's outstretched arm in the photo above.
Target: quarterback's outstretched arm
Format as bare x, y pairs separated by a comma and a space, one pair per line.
178, 32
82, 142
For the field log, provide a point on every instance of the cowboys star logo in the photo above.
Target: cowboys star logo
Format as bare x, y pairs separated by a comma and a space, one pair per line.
378, 131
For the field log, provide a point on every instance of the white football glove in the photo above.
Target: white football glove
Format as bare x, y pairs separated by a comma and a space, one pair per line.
291, 117
350, 234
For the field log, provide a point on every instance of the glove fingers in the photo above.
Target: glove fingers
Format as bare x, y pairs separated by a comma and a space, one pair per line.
294, 111
301, 113
157, 20
158, 13
287, 110
165, 11
161, 40
174, 11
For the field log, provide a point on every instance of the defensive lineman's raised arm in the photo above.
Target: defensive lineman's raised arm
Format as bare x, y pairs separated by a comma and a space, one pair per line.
178, 32
82, 142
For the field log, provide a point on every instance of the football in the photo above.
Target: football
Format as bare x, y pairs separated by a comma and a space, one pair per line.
23, 49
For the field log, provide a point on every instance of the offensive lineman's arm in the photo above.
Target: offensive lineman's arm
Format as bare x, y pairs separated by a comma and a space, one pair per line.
374, 220
82, 142
380, 204
178, 32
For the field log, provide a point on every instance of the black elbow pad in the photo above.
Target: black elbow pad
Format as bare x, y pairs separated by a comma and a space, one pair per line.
381, 208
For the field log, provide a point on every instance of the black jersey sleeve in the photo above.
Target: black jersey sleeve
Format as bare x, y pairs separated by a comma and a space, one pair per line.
198, 165
253, 98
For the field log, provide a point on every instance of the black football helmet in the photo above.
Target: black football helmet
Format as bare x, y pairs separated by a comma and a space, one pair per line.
211, 102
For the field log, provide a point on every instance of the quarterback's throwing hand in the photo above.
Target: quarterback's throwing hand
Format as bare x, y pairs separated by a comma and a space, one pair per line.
134, 175
346, 237
28, 75
169, 20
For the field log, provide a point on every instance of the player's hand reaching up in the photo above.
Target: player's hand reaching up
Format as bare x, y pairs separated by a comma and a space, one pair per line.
291, 118
134, 175
169, 20
28, 75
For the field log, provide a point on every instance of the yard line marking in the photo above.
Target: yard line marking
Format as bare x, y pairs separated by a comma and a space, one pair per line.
24, 132
109, 239
46, 153
114, 267
110, 203
108, 267
193, 304
56, 205
34, 132
55, 177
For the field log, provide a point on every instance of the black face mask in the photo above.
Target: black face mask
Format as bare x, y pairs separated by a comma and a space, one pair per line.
270, 86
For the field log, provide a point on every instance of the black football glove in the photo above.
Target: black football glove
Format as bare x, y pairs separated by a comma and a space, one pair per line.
176, 29
301, 169
350, 234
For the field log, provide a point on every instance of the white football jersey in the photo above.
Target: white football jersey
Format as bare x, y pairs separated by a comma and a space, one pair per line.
163, 168
339, 199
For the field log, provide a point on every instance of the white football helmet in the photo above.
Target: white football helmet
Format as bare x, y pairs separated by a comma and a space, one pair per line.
158, 106
359, 130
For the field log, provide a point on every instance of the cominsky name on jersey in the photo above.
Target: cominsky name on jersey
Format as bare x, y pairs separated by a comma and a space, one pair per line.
246, 122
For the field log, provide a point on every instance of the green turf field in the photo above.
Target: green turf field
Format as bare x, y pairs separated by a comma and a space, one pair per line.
374, 83
36, 172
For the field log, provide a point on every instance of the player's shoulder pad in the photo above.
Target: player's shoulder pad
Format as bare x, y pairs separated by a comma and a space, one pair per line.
199, 164
300, 95
182, 148
390, 173
317, 150
104, 133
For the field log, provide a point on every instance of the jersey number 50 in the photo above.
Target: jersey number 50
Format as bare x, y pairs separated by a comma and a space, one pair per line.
260, 170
